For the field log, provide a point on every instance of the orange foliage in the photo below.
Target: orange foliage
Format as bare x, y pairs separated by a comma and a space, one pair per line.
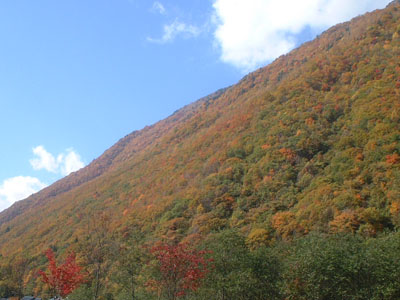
346, 221
289, 154
395, 208
266, 146
285, 223
393, 158
318, 108
310, 121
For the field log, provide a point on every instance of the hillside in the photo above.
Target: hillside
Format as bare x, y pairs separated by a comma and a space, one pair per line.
307, 143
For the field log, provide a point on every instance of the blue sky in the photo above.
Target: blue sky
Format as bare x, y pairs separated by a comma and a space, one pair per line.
77, 75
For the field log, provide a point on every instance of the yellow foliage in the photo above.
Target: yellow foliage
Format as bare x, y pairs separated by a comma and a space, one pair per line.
258, 237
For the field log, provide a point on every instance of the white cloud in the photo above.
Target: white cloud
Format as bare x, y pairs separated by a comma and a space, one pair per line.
64, 163
44, 160
253, 32
21, 187
158, 7
171, 31
71, 162
18, 188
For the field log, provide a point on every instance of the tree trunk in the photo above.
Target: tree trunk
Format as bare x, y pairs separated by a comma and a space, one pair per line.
133, 288
97, 287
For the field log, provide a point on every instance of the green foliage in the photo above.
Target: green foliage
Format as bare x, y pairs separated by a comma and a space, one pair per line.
383, 258
328, 268
238, 273
343, 267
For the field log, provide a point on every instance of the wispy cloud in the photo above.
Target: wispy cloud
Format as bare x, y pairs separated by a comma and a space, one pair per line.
176, 28
158, 7
250, 33
64, 164
18, 188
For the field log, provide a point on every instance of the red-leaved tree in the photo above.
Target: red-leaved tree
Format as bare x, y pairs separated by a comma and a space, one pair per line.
65, 278
179, 269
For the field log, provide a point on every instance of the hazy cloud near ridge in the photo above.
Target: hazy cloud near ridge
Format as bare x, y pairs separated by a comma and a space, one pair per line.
64, 163
18, 188
251, 33
71, 162
176, 28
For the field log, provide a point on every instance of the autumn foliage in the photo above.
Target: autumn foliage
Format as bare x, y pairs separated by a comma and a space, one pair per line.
65, 278
180, 269
310, 143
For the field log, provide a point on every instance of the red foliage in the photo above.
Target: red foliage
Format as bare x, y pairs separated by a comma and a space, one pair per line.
63, 279
181, 268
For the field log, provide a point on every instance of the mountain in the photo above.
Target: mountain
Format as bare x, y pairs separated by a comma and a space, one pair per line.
307, 143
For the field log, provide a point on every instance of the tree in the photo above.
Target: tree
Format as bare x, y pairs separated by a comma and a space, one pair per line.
238, 273
329, 267
65, 278
97, 247
129, 262
12, 277
179, 269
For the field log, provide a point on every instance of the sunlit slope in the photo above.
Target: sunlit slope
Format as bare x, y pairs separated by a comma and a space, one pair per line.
310, 142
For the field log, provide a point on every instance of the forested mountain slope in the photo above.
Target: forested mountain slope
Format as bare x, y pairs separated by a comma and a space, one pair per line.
307, 143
